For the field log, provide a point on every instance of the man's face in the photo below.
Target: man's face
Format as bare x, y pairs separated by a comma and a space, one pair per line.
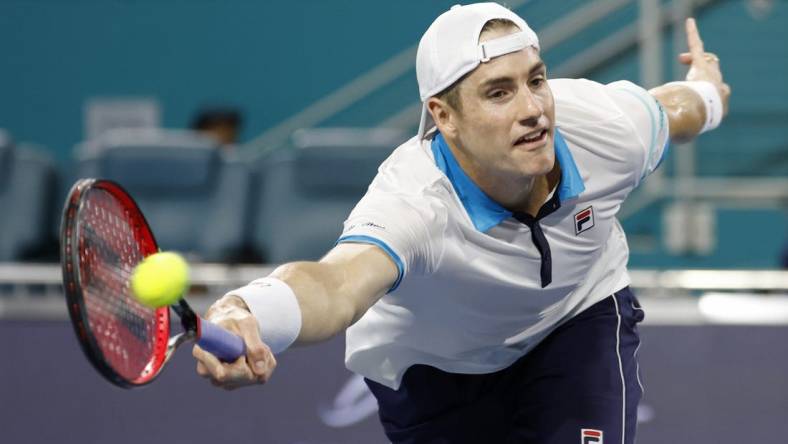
506, 123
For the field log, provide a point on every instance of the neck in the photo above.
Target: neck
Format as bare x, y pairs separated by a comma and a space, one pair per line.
513, 193
516, 193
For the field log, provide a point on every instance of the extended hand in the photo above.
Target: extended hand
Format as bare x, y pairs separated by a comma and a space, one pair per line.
255, 368
703, 65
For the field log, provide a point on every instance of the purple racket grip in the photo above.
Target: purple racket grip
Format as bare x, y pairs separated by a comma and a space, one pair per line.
219, 342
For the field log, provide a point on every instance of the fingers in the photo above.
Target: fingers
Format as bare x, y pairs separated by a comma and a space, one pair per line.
258, 355
687, 58
255, 367
208, 365
202, 370
694, 42
225, 375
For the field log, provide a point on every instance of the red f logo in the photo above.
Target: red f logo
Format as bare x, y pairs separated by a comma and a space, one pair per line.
591, 436
584, 220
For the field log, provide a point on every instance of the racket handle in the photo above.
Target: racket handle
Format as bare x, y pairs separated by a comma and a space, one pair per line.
219, 342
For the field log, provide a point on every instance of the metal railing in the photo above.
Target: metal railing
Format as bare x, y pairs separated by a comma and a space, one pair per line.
33, 291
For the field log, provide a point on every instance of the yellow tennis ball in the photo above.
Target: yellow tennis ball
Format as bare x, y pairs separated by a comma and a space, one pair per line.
160, 279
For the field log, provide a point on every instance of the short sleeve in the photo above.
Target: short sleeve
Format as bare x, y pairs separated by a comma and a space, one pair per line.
648, 119
402, 227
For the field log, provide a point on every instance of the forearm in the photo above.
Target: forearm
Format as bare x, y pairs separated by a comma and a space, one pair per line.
325, 310
322, 310
313, 301
301, 302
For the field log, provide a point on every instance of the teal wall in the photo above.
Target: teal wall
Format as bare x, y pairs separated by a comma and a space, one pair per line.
273, 58
269, 57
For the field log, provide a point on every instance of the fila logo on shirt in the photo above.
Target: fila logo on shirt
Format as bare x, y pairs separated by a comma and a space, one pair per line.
584, 220
591, 436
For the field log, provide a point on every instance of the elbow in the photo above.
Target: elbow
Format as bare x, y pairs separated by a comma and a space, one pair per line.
686, 114
685, 123
682, 137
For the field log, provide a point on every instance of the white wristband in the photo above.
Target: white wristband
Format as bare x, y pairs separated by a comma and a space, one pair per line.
711, 100
274, 305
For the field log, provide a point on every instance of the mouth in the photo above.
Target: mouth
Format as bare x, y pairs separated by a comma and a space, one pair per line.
532, 140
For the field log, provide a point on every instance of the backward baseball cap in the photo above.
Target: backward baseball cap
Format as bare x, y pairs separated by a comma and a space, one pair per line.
450, 48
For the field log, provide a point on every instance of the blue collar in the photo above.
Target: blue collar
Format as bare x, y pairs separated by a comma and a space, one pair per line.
484, 212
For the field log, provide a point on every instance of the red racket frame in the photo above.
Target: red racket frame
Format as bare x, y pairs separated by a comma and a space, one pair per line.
69, 257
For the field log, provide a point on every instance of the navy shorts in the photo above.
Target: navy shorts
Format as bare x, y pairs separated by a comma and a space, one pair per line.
581, 384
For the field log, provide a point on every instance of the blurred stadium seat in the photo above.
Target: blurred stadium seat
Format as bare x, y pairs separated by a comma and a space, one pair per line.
142, 137
194, 196
307, 192
27, 186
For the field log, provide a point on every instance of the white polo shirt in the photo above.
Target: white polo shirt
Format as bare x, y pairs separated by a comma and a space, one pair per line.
472, 294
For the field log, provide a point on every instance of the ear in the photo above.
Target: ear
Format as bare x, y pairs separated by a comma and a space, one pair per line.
444, 115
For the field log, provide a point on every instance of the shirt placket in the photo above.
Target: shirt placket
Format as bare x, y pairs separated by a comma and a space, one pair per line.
538, 237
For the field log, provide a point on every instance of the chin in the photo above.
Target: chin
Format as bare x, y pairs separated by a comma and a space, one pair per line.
541, 164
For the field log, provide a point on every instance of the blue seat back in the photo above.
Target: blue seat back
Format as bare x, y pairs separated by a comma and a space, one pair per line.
307, 192
27, 187
194, 196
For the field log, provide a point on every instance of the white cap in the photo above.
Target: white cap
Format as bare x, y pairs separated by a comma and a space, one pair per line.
450, 48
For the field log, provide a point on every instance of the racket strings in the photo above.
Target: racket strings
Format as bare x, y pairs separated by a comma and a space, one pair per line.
110, 247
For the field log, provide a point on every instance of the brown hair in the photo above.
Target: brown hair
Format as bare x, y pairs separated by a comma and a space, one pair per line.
451, 95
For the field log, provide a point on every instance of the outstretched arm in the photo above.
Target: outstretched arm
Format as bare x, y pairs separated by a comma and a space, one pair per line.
686, 109
331, 295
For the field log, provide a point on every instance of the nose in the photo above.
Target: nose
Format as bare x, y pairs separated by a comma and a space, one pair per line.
529, 107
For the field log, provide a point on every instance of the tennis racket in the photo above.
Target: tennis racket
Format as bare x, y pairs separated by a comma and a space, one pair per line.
103, 237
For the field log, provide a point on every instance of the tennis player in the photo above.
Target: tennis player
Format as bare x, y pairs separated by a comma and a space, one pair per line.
482, 279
